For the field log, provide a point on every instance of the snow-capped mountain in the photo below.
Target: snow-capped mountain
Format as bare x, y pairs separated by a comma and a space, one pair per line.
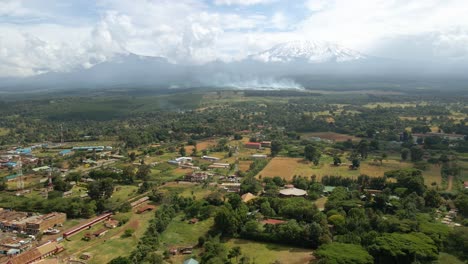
309, 51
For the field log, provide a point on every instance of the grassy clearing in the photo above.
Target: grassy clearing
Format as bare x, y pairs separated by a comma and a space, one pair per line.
445, 258
329, 136
267, 253
201, 145
123, 193
244, 165
188, 189
373, 169
390, 105
320, 202
4, 131
288, 167
181, 233
111, 245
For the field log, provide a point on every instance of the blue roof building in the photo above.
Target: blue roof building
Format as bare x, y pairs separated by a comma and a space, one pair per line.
191, 261
65, 152
23, 151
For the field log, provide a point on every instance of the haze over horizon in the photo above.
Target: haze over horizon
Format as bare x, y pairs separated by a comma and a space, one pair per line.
56, 36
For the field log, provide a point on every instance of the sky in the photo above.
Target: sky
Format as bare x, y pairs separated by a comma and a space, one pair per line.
38, 36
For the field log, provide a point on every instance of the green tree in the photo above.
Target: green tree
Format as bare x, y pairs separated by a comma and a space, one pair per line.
405, 153
363, 148
235, 252
182, 151
120, 260
340, 253
336, 160
311, 153
457, 242
101, 189
132, 156
461, 202
417, 153
276, 147
404, 248
143, 172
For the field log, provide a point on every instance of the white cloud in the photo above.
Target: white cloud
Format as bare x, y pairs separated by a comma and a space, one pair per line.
361, 23
196, 31
242, 2
317, 5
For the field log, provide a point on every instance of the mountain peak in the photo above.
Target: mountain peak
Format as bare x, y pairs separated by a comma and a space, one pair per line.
309, 51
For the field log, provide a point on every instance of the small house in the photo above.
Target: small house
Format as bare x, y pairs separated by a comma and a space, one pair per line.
273, 222
209, 158
111, 223
292, 192
247, 197
191, 261
146, 208
253, 145
101, 232
193, 221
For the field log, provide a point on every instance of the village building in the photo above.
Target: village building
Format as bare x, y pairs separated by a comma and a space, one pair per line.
209, 158
101, 232
146, 208
265, 144
273, 222
219, 166
292, 192
34, 255
258, 156
111, 223
450, 137
253, 145
327, 190
66, 152
180, 161
231, 187
248, 197
31, 224
198, 176
191, 261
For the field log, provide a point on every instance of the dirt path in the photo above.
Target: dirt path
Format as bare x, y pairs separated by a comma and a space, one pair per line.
450, 183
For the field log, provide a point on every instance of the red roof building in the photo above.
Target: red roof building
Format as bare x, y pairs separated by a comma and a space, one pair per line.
253, 145
273, 222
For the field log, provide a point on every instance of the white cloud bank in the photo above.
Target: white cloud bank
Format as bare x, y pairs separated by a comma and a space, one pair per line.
189, 31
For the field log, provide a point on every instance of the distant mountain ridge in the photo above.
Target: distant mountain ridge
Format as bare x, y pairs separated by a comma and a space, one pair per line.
284, 66
309, 51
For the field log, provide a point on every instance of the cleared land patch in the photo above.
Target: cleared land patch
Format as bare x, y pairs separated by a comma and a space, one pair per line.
266, 253
329, 136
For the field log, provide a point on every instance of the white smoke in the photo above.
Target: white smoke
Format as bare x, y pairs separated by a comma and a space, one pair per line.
252, 82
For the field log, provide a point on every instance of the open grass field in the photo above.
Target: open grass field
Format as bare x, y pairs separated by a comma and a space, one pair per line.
180, 233
320, 202
244, 165
111, 245
123, 193
329, 136
376, 170
390, 105
188, 189
4, 131
288, 167
266, 253
201, 145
